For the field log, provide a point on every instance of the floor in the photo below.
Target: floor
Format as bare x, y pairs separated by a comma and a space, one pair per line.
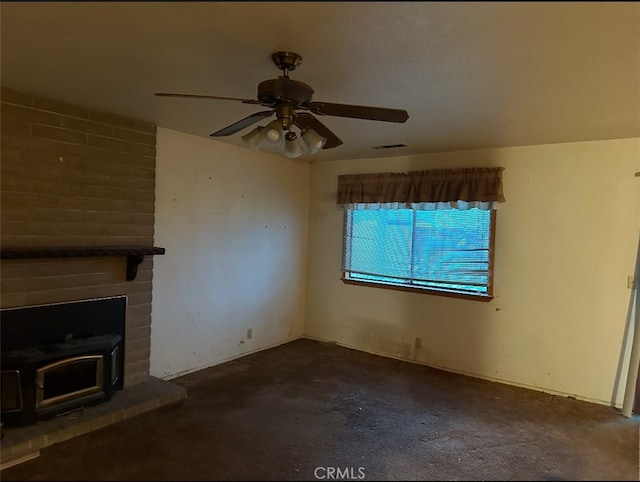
308, 410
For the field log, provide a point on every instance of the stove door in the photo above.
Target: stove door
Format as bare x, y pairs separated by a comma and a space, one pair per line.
68, 379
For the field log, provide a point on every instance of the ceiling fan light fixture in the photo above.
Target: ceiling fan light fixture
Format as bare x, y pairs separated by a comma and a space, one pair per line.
313, 140
286, 97
292, 147
254, 138
273, 134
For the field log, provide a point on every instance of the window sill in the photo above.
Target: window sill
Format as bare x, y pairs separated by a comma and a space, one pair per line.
424, 291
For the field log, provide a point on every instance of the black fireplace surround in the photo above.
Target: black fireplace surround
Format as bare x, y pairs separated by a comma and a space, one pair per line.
60, 357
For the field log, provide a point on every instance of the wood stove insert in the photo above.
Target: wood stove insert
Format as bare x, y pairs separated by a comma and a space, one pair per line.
60, 357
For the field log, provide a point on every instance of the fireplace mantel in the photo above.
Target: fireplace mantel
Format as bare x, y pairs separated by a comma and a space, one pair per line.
134, 254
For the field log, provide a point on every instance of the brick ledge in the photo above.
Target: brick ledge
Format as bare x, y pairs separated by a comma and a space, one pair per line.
19, 442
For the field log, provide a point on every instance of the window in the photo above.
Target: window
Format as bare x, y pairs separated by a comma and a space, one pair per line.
427, 231
446, 251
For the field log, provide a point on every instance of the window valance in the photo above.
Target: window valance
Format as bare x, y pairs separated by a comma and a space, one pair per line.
423, 190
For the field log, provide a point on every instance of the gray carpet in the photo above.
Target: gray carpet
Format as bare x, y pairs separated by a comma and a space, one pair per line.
308, 409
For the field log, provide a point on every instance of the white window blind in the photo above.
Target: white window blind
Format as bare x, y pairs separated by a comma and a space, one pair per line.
443, 250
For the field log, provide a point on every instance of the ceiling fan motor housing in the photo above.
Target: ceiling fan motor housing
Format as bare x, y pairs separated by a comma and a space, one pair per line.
273, 91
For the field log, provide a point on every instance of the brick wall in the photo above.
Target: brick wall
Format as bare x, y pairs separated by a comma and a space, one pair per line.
69, 177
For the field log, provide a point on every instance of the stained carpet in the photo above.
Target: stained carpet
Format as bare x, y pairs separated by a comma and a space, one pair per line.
316, 411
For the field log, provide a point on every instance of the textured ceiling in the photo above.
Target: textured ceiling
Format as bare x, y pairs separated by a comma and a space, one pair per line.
471, 75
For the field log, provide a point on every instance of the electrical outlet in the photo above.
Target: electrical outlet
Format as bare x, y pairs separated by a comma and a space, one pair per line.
631, 282
249, 333
418, 342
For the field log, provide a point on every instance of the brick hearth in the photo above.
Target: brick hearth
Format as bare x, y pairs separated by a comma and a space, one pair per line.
19, 443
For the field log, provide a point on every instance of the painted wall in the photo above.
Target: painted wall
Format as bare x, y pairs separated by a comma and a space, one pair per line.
234, 225
566, 241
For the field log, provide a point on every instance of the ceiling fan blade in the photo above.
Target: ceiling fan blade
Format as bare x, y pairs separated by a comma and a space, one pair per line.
304, 120
241, 124
358, 111
196, 96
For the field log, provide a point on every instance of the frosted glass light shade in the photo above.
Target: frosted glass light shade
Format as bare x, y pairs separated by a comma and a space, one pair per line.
313, 140
292, 147
272, 135
254, 138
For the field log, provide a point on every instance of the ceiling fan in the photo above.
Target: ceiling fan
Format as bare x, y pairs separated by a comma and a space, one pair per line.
292, 103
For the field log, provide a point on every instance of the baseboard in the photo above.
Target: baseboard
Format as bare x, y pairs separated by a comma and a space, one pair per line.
409, 360
469, 374
228, 359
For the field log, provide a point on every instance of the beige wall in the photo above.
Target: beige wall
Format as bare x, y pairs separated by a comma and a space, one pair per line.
76, 177
234, 225
566, 241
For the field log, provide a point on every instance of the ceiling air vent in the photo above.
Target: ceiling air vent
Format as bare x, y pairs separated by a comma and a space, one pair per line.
389, 146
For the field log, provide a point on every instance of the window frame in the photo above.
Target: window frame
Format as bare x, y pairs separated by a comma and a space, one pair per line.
429, 290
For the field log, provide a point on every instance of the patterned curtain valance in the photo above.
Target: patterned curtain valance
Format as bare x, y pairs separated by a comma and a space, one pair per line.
434, 189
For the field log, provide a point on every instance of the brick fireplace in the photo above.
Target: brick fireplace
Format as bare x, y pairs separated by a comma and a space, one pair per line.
74, 177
